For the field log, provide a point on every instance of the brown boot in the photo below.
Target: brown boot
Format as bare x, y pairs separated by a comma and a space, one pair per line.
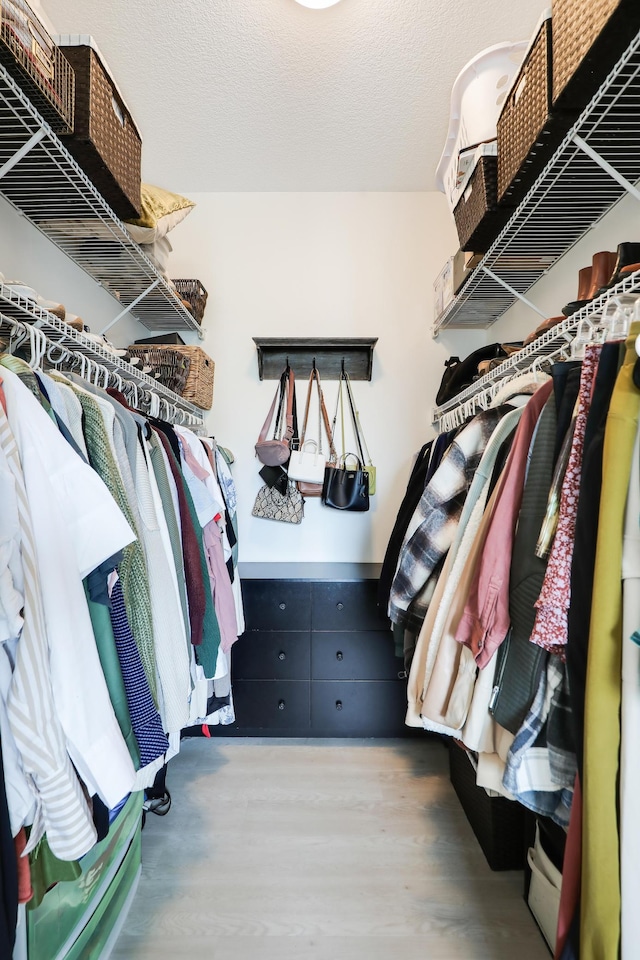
603, 268
585, 277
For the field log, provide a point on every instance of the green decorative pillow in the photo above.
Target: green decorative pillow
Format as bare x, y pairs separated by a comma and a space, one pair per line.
161, 212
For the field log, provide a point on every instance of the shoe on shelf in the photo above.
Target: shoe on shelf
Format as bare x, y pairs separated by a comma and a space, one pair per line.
57, 309
584, 285
544, 326
627, 256
627, 271
602, 267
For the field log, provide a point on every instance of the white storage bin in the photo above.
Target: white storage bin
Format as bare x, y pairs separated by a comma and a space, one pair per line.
544, 891
477, 97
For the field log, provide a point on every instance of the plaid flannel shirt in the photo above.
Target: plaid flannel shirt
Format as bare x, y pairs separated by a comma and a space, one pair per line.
435, 521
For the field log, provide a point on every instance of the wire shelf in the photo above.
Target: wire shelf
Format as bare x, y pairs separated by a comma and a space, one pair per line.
571, 194
552, 344
48, 187
18, 307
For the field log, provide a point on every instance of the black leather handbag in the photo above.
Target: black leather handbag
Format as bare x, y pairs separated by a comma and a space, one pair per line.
345, 488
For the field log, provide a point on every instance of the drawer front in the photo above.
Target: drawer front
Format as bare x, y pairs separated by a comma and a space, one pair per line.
271, 704
354, 656
366, 708
277, 604
346, 606
275, 655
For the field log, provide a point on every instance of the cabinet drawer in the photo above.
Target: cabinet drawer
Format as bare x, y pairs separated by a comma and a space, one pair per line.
271, 704
354, 656
275, 655
349, 605
365, 708
277, 604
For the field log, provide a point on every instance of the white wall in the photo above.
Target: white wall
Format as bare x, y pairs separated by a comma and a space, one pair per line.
313, 265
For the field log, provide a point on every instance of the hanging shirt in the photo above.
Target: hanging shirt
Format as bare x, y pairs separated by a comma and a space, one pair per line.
61, 806
435, 521
76, 525
485, 621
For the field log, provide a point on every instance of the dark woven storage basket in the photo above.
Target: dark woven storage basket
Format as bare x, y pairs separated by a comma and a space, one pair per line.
589, 37
194, 293
188, 371
40, 69
106, 145
499, 824
478, 218
528, 129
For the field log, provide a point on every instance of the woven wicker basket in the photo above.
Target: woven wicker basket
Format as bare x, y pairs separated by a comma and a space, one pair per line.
478, 218
589, 37
526, 112
193, 293
37, 64
106, 142
188, 371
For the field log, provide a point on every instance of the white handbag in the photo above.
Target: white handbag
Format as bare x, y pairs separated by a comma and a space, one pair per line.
308, 463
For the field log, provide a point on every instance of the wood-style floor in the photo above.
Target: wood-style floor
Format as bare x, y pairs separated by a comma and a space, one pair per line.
322, 849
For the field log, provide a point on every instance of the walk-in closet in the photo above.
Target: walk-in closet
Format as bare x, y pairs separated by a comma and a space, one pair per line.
319, 480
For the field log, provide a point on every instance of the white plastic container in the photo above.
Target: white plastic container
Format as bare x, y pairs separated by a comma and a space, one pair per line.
477, 97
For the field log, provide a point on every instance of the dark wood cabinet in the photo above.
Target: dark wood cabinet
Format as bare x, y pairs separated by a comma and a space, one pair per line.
317, 658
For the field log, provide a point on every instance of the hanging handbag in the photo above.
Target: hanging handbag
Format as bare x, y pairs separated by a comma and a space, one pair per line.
307, 464
275, 477
357, 429
276, 451
345, 488
272, 505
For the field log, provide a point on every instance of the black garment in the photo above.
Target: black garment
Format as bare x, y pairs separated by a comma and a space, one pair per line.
169, 433
520, 662
440, 447
465, 372
501, 460
100, 815
584, 552
415, 489
566, 386
8, 876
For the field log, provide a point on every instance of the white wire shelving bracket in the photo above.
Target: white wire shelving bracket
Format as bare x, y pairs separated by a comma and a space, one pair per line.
552, 345
98, 359
596, 164
40, 178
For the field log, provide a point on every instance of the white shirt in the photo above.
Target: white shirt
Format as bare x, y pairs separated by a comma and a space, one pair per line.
77, 526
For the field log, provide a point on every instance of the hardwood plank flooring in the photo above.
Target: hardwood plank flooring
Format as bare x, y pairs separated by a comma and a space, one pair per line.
320, 849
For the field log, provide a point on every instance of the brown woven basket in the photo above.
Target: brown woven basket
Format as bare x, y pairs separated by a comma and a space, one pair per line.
195, 294
589, 37
37, 64
478, 218
106, 142
526, 111
188, 371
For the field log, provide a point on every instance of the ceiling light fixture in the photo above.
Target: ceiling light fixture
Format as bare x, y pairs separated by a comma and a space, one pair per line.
317, 4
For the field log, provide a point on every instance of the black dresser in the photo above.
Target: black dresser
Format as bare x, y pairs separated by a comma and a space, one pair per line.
317, 659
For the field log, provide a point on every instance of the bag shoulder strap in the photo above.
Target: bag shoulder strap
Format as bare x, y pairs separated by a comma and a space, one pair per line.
325, 416
357, 426
306, 408
290, 388
272, 410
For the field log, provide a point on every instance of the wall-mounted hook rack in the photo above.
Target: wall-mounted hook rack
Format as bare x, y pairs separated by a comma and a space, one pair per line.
329, 355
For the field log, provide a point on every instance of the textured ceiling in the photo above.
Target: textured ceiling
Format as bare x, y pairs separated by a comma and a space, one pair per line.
244, 95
